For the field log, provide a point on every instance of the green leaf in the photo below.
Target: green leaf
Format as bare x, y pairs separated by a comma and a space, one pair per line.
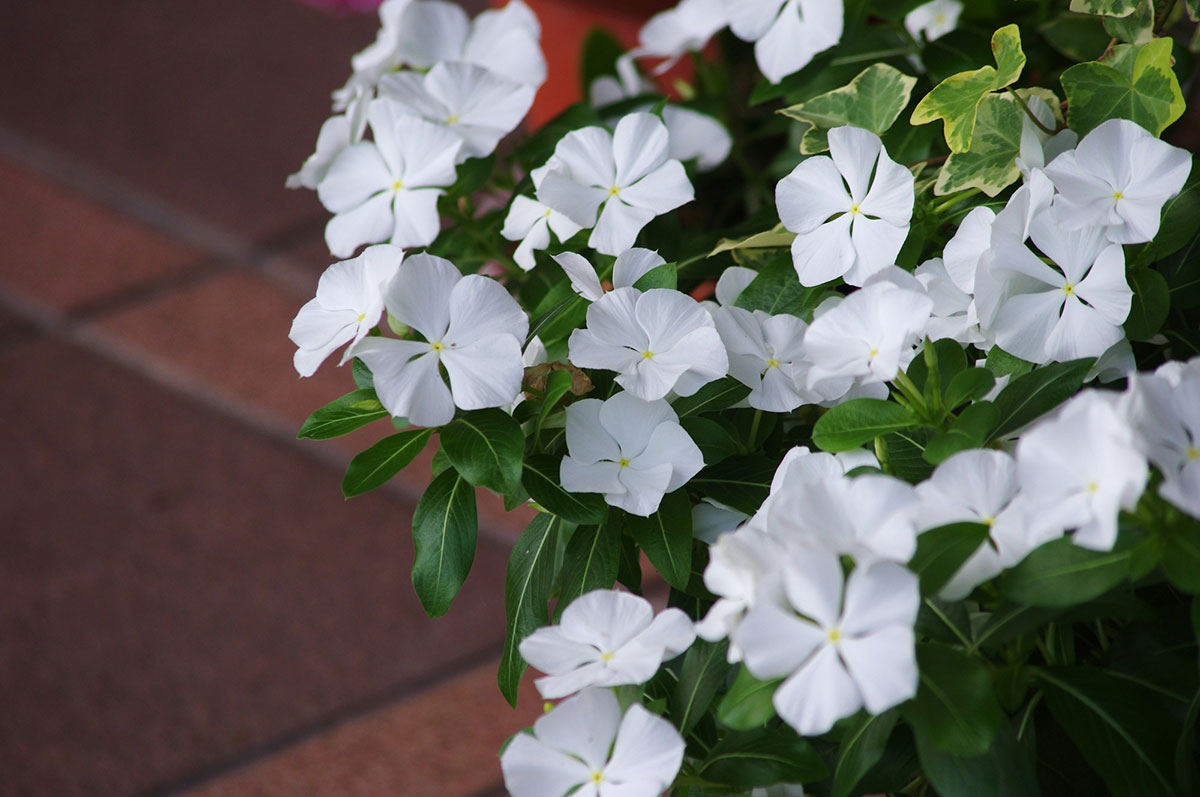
363, 377
739, 482
955, 710
1108, 8
444, 530
527, 586
1181, 558
860, 749
718, 395
486, 447
666, 538
1001, 363
1078, 37
663, 276
344, 415
970, 430
906, 454
471, 175
1030, 396
748, 704
1005, 770
599, 57
702, 674
942, 551
872, 101
850, 424
778, 237
777, 290
383, 460
590, 562
558, 384
629, 565
969, 385
763, 757
1136, 27
1118, 725
540, 478
715, 441
956, 99
1180, 218
1151, 303
1060, 573
991, 162
1143, 89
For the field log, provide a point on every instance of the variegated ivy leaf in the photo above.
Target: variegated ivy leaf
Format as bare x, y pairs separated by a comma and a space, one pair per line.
776, 237
956, 99
1136, 28
1135, 83
872, 101
1107, 8
991, 163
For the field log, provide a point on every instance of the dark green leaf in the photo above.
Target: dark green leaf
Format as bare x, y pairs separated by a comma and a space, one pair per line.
599, 57
860, 749
748, 704
739, 482
715, 440
558, 383
763, 757
363, 378
590, 561
777, 289
1135, 83
629, 566
717, 395
383, 460
848, 425
540, 478
471, 175
486, 447
1060, 573
1001, 363
968, 385
1077, 36
955, 710
906, 454
942, 551
1028, 397
666, 538
444, 529
1151, 303
1180, 218
970, 430
1181, 558
659, 277
344, 415
702, 674
1005, 770
1120, 727
527, 586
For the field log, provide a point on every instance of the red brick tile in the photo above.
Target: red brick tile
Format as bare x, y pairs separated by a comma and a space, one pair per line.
62, 252
441, 742
175, 589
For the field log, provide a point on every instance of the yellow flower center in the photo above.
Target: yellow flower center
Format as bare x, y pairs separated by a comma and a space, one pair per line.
940, 19
647, 355
597, 777
988, 521
606, 657
834, 635
398, 185
452, 120
361, 318
1069, 289
873, 353
437, 346
548, 212
1093, 487
1193, 453
772, 363
1118, 195
624, 463
854, 211
616, 189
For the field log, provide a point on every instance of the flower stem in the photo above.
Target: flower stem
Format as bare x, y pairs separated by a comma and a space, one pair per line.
1029, 112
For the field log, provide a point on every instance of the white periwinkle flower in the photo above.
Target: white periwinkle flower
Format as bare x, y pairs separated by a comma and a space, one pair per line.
765, 354
850, 209
688, 26
477, 104
1165, 411
348, 304
605, 638
586, 748
632, 451
531, 222
625, 176
630, 266
472, 328
336, 134
387, 190
953, 314
786, 33
839, 649
1118, 177
1079, 468
935, 19
1042, 314
979, 486
742, 566
657, 341
869, 335
1037, 146
711, 519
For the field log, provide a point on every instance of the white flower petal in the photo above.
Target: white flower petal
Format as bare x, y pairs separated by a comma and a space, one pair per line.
647, 754
632, 264
883, 665
369, 223
639, 146
583, 277
415, 217
485, 373
419, 295
818, 695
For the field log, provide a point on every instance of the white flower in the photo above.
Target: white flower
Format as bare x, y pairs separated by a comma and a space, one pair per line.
347, 306
868, 335
625, 176
688, 26
741, 566
848, 223
799, 466
657, 341
585, 747
1042, 314
475, 103
869, 517
630, 266
935, 19
711, 519
839, 650
605, 638
1037, 146
472, 328
1119, 178
953, 314
530, 222
979, 486
765, 353
387, 190
963, 251
1165, 412
786, 33
633, 451
1079, 468
731, 283
335, 136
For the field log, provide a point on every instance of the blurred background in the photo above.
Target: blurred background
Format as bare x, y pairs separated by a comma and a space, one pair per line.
187, 604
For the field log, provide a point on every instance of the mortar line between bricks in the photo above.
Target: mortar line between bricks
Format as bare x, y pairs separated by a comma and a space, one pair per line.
323, 725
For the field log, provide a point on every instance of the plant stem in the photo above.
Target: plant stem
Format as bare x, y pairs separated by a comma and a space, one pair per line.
1029, 112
